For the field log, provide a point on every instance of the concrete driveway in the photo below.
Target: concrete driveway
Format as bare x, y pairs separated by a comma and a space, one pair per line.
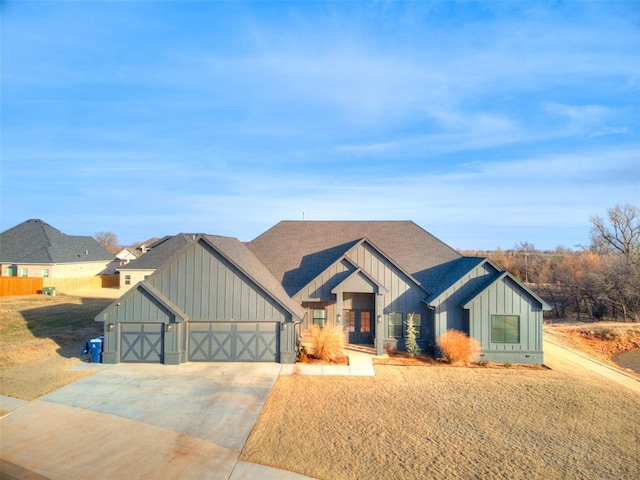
142, 421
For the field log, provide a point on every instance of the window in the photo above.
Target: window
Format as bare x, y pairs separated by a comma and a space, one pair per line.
127, 279
24, 272
350, 315
319, 317
12, 271
395, 325
365, 322
505, 329
45, 273
417, 323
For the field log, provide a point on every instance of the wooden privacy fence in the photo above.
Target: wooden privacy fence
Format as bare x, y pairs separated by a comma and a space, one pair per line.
19, 286
31, 285
82, 283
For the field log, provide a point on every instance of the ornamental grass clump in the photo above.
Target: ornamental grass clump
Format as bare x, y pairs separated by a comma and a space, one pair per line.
457, 348
327, 343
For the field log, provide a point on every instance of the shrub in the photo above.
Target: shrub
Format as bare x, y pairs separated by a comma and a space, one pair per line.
327, 343
411, 346
302, 354
458, 348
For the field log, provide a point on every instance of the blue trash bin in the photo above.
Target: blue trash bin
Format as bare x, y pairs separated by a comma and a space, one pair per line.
95, 349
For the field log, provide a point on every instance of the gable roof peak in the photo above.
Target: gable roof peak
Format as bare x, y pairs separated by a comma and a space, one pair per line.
295, 251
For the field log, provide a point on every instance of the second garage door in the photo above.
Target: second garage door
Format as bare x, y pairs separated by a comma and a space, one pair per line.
233, 342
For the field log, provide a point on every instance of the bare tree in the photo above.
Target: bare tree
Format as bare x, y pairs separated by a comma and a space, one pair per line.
522, 251
107, 239
621, 234
619, 239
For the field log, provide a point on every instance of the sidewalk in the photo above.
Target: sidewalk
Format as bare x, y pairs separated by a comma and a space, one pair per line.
360, 364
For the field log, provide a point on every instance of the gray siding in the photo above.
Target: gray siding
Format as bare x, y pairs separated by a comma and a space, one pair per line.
403, 294
447, 311
506, 297
209, 288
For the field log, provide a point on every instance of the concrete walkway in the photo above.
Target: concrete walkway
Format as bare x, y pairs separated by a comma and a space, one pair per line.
559, 357
360, 364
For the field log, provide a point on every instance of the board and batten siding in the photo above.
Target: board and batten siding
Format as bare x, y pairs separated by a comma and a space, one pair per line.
403, 294
209, 288
447, 312
506, 297
139, 307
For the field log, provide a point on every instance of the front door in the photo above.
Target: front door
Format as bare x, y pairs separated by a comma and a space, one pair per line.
360, 325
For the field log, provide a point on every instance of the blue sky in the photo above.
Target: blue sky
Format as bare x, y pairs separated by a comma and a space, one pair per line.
486, 123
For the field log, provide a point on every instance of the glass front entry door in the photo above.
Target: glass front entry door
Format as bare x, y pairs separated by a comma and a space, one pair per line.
360, 325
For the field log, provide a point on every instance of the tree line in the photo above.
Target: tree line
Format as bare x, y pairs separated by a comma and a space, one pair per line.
602, 280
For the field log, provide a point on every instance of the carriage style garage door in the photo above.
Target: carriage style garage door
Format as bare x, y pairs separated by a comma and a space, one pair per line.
141, 342
233, 342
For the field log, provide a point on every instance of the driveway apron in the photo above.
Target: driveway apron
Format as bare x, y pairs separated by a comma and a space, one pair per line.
140, 421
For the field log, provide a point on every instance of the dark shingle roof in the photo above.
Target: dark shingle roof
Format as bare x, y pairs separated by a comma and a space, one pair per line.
238, 253
443, 276
35, 241
161, 252
296, 251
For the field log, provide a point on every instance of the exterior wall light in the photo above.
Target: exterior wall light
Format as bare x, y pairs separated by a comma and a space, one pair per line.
338, 318
110, 327
379, 318
284, 325
168, 327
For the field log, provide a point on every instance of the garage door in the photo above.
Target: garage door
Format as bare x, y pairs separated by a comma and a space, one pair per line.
233, 342
141, 342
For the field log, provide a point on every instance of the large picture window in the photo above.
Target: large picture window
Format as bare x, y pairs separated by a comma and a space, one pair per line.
395, 325
505, 329
319, 317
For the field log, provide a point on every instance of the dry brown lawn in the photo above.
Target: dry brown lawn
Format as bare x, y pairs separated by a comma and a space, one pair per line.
41, 337
446, 422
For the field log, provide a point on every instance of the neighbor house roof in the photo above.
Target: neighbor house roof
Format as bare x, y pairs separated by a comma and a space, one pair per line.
297, 251
161, 252
37, 242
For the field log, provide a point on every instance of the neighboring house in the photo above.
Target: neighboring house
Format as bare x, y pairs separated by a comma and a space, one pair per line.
144, 247
126, 255
363, 277
36, 249
155, 255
